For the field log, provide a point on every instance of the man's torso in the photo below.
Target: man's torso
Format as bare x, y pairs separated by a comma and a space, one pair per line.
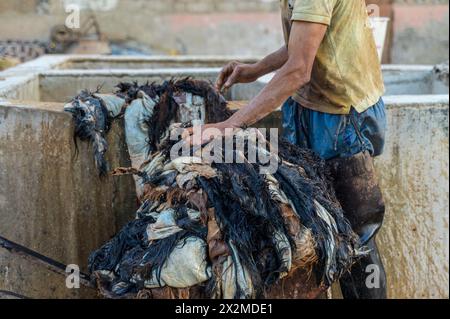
347, 71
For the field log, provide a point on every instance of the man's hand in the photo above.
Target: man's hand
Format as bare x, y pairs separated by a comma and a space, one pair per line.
201, 135
236, 72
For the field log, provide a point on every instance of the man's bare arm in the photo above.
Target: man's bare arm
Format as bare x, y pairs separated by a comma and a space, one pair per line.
304, 42
273, 62
236, 72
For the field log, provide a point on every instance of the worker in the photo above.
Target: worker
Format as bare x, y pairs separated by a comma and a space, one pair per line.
329, 77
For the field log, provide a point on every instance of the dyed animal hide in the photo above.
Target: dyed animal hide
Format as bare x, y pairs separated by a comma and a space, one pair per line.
223, 228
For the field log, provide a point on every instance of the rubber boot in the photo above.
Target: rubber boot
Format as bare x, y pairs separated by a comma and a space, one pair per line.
358, 191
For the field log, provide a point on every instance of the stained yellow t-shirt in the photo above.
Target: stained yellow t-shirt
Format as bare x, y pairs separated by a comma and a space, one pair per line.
346, 71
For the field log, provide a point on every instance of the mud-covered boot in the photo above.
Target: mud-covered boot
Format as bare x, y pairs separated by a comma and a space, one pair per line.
358, 191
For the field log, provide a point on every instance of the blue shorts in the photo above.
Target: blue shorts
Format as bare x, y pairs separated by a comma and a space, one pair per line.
332, 136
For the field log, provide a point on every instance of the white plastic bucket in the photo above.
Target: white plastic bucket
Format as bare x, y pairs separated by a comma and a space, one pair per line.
379, 27
96, 5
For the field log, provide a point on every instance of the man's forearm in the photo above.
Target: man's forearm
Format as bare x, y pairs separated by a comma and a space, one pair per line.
304, 42
272, 62
285, 82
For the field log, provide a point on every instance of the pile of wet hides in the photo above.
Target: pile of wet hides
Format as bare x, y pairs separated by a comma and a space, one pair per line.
225, 230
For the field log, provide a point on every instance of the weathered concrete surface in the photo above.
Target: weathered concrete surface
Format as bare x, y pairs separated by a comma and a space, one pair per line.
50, 200
35, 281
412, 80
6, 63
398, 80
43, 63
57, 78
165, 26
419, 31
94, 62
414, 178
22, 82
24, 87
60, 86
